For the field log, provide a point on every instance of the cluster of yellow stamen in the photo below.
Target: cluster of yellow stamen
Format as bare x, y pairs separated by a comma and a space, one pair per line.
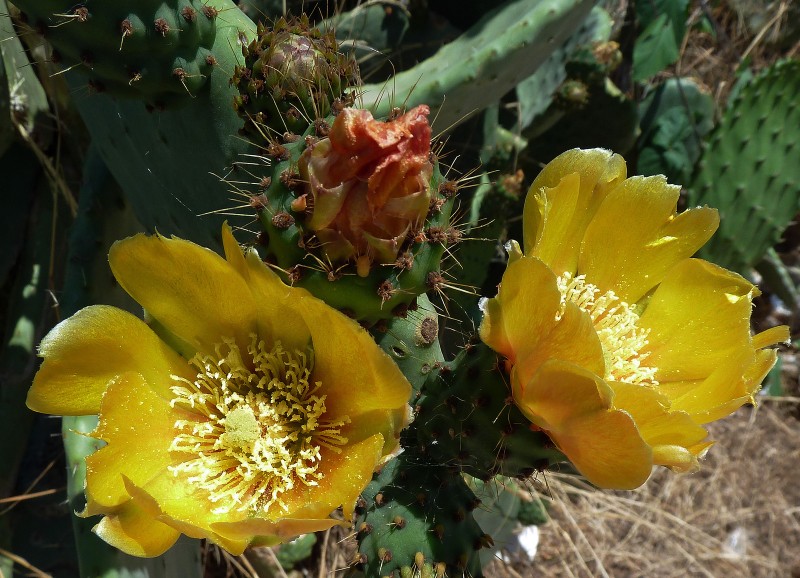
257, 427
615, 322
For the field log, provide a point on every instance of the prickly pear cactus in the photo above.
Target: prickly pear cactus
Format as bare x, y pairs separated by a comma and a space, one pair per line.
748, 168
352, 208
161, 52
466, 418
355, 200
416, 520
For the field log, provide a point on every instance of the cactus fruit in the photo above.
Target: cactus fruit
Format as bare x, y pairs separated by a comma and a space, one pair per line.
415, 519
351, 208
466, 418
748, 168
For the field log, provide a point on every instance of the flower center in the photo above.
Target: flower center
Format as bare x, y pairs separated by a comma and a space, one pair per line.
615, 323
257, 427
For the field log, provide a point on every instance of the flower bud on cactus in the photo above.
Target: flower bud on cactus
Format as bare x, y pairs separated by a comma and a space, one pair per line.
354, 209
292, 75
369, 183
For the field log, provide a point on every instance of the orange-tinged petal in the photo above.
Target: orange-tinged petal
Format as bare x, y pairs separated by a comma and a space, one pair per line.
699, 319
356, 375
193, 292
658, 423
574, 407
572, 339
525, 307
346, 474
635, 237
84, 353
556, 219
135, 532
139, 428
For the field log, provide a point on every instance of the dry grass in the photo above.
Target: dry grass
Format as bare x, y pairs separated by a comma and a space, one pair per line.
738, 517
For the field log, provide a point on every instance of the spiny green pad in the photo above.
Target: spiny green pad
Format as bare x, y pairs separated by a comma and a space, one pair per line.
159, 51
415, 519
292, 76
466, 417
749, 169
412, 342
507, 45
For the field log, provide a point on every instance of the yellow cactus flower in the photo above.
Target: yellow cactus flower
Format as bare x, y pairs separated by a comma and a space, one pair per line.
245, 412
620, 345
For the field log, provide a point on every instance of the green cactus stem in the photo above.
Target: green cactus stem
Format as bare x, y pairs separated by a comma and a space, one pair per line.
466, 418
415, 519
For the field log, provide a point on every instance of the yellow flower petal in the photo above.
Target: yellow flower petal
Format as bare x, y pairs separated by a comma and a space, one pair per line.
772, 336
635, 237
178, 498
137, 425
677, 458
572, 339
135, 532
87, 351
606, 291
354, 382
277, 305
574, 408
272, 533
525, 307
345, 475
699, 319
194, 293
184, 446
658, 423
559, 207
561, 391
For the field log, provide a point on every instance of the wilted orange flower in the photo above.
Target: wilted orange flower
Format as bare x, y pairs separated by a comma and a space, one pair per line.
232, 415
621, 346
369, 183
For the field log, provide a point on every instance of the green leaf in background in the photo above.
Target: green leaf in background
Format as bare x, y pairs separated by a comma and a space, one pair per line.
648, 11
664, 24
655, 49
291, 553
674, 118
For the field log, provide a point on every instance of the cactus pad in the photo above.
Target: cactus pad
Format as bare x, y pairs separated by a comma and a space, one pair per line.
749, 170
466, 417
415, 519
